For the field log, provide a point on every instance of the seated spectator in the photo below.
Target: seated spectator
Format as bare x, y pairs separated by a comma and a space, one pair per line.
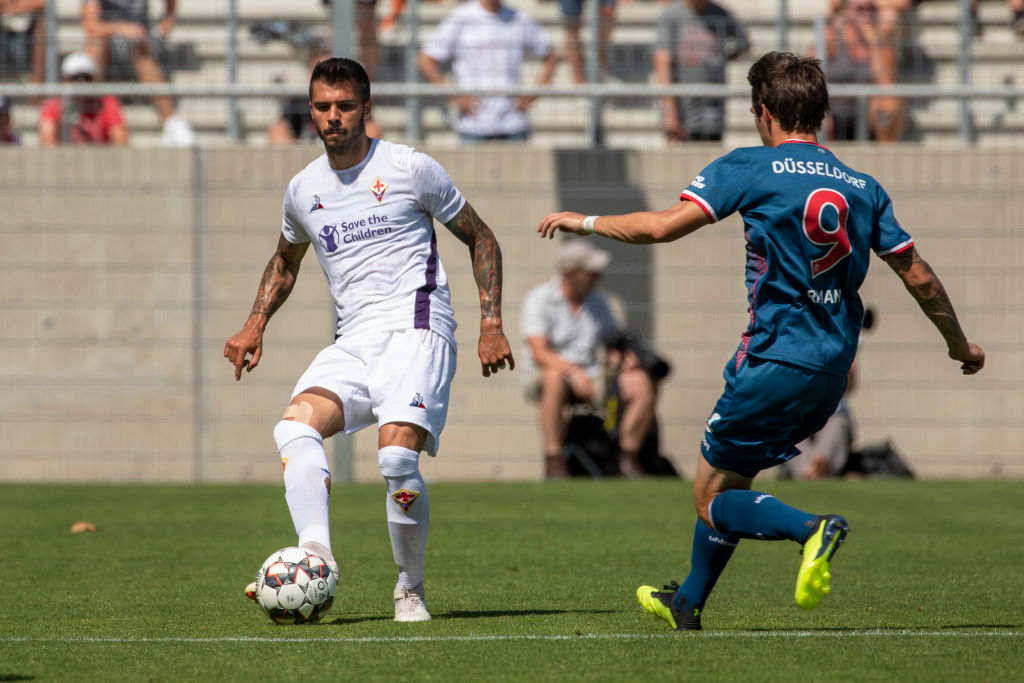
696, 39
572, 14
24, 27
856, 52
92, 120
125, 23
486, 43
566, 323
7, 134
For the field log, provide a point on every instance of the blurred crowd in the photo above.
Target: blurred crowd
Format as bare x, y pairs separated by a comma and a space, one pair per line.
483, 44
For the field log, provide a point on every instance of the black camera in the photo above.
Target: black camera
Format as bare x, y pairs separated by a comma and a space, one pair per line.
653, 364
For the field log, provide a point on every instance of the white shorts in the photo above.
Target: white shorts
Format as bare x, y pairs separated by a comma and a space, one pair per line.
383, 377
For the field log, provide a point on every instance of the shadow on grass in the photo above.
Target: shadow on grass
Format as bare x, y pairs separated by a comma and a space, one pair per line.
475, 614
16, 677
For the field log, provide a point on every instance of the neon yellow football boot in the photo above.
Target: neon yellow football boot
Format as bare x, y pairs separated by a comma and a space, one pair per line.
660, 603
814, 580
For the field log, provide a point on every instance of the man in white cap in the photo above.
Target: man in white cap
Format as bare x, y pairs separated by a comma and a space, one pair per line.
91, 120
566, 323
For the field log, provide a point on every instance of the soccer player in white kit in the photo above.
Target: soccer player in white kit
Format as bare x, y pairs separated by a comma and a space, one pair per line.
367, 207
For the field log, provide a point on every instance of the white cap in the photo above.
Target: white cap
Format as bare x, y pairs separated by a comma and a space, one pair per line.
78, 63
580, 253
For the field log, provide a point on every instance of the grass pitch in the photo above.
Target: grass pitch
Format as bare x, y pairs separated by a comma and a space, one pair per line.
530, 582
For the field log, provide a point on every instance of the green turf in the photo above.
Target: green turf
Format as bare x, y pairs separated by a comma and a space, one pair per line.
525, 581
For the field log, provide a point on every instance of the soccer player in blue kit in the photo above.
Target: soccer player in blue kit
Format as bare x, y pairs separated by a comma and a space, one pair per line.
810, 223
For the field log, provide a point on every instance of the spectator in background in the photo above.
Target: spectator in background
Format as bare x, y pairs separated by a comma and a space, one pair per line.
695, 41
857, 52
125, 24
7, 134
572, 13
25, 20
91, 120
486, 43
566, 323
367, 34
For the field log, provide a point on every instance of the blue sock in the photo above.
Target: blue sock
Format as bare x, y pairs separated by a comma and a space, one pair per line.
711, 552
752, 514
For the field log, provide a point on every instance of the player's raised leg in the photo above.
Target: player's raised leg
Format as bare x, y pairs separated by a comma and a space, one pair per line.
743, 513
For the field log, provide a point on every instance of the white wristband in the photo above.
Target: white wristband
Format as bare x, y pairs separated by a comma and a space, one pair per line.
588, 224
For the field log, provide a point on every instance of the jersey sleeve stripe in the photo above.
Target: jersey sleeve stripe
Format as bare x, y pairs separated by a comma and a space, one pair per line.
699, 201
902, 246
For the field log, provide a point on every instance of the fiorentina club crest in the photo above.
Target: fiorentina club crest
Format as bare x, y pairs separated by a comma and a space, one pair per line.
378, 187
405, 498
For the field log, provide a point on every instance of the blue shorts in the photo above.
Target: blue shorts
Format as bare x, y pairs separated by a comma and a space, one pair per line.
767, 408
574, 8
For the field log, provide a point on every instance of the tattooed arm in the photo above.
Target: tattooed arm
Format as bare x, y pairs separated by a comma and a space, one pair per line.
485, 254
924, 285
278, 280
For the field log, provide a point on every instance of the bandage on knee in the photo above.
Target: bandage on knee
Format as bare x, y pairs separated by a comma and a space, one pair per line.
395, 461
302, 412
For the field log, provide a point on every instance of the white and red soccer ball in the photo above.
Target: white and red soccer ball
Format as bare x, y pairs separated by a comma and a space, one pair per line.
295, 586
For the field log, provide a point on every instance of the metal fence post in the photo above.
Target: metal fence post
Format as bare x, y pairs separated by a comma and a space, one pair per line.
413, 121
964, 69
342, 20
594, 133
200, 259
51, 41
783, 26
234, 125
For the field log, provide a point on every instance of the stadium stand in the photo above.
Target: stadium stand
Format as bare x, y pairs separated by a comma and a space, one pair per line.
199, 54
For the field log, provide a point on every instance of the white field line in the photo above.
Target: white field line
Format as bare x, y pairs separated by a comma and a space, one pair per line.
871, 633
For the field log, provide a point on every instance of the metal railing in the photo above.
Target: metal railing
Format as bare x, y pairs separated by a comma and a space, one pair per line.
414, 91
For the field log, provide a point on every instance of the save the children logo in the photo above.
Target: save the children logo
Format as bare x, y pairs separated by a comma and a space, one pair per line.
329, 238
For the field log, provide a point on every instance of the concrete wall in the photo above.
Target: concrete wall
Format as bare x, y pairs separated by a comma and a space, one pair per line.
125, 271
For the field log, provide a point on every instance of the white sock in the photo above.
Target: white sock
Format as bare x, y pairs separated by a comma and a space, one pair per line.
408, 511
306, 480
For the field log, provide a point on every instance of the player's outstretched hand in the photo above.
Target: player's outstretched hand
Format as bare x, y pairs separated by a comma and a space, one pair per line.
495, 354
566, 221
972, 357
238, 347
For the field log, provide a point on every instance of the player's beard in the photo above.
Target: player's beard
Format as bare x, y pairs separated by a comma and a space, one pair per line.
348, 143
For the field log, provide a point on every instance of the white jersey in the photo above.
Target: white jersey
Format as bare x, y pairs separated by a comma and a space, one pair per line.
372, 229
486, 49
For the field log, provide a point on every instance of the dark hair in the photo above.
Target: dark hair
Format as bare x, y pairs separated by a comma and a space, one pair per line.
792, 88
340, 70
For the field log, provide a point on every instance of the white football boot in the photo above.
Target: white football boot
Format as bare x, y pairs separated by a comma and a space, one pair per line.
410, 605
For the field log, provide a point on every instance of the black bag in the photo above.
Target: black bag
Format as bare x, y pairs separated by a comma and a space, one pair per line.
877, 460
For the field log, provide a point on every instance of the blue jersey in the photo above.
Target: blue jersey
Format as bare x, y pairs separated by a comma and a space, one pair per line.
810, 223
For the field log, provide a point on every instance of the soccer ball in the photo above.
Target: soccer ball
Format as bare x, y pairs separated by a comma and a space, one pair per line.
295, 586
